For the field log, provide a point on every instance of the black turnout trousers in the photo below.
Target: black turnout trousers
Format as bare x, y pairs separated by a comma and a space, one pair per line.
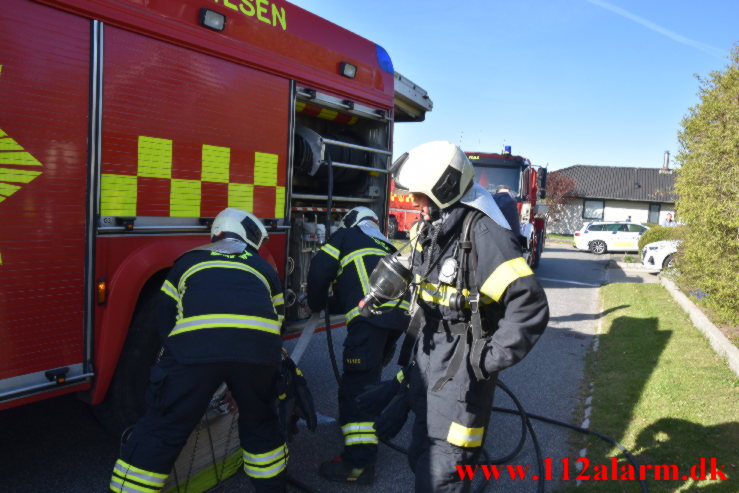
178, 396
365, 349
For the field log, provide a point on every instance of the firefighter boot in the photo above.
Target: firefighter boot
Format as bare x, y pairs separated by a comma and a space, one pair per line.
343, 471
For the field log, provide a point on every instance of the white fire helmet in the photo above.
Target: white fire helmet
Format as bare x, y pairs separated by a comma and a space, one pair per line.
438, 169
357, 215
231, 222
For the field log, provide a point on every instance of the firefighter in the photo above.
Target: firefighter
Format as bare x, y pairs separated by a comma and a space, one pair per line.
474, 313
346, 261
221, 311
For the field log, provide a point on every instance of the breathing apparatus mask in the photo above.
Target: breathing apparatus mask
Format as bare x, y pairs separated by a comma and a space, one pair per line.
388, 281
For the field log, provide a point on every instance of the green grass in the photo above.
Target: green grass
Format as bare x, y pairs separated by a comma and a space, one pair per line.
661, 391
551, 236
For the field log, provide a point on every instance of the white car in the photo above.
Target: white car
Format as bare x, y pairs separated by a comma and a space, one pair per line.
659, 254
607, 236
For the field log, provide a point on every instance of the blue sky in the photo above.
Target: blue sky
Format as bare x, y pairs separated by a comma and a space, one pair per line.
563, 82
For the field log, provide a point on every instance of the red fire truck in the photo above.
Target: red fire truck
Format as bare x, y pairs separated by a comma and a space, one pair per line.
126, 126
525, 181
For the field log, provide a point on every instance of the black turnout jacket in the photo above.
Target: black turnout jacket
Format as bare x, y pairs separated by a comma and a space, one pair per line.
218, 307
513, 306
347, 260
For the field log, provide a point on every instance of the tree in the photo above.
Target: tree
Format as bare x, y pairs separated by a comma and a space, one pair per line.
559, 188
708, 191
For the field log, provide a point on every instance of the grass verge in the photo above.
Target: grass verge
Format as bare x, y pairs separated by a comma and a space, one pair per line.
551, 236
661, 391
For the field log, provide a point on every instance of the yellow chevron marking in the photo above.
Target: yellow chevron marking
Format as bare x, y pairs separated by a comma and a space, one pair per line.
13, 154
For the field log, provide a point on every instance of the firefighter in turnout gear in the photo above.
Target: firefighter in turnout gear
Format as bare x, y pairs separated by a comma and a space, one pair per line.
221, 312
477, 309
346, 262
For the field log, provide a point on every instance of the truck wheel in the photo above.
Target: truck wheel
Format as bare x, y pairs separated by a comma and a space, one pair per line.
124, 402
598, 247
537, 249
669, 261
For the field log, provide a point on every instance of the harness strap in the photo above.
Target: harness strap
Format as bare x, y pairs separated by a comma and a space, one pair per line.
411, 337
478, 343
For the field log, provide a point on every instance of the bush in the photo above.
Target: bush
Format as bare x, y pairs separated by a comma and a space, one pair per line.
659, 233
706, 186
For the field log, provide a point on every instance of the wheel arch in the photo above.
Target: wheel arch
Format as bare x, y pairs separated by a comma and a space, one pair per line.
139, 275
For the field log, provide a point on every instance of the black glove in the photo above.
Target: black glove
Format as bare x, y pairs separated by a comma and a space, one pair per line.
392, 419
377, 398
295, 399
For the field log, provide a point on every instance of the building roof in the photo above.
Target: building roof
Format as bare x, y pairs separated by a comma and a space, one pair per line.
620, 183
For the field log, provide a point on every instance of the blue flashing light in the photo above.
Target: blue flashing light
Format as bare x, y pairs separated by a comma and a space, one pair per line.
384, 60
507, 150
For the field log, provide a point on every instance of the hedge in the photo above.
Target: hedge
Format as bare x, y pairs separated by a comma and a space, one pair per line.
707, 186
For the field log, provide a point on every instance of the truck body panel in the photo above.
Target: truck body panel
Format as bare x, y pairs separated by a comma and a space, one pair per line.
126, 126
43, 191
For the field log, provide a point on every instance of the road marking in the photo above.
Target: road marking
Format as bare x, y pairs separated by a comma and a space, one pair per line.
570, 282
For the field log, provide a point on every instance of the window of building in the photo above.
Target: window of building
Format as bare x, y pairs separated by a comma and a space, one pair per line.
653, 213
593, 209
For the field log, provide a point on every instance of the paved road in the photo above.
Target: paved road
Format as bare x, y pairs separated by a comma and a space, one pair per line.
58, 446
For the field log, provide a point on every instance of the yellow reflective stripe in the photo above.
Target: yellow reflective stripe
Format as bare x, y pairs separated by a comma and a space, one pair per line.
241, 196
169, 289
265, 169
331, 250
356, 433
118, 195
220, 264
184, 198
363, 276
266, 465
226, 320
268, 472
125, 486
278, 300
17, 175
360, 439
360, 253
126, 470
462, 436
266, 457
439, 294
154, 157
215, 162
279, 202
364, 426
354, 312
503, 276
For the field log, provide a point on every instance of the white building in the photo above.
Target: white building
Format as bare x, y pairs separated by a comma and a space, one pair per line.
612, 193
